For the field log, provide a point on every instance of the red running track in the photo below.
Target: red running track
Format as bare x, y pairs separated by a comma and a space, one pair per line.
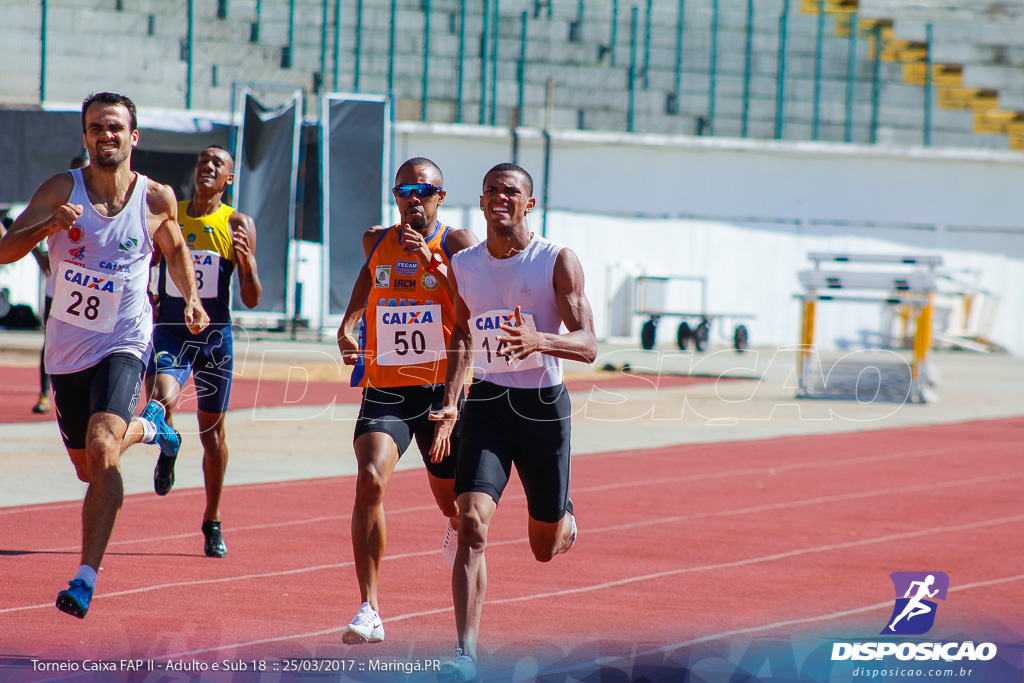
681, 550
19, 390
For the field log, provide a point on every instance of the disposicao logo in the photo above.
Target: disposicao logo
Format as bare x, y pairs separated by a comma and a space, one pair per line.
914, 612
912, 615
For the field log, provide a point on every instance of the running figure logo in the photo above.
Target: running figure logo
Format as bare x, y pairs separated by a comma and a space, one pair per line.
914, 613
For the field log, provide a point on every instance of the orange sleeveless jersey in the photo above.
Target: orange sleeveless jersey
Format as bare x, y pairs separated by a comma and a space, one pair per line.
398, 336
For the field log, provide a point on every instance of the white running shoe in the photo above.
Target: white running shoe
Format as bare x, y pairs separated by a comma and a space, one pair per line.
458, 670
366, 627
450, 546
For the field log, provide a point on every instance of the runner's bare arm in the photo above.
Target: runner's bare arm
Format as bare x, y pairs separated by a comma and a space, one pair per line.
579, 342
457, 241
347, 342
47, 213
163, 226
243, 232
460, 357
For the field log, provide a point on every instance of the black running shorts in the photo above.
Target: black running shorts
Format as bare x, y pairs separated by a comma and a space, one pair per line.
404, 413
111, 386
525, 427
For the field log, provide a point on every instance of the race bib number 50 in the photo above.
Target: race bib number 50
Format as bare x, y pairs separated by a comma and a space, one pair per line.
86, 298
409, 334
487, 352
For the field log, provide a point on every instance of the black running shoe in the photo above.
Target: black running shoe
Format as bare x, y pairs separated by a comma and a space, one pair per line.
169, 441
214, 539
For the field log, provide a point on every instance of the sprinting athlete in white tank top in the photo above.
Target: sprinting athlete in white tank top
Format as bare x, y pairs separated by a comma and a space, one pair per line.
519, 309
101, 223
100, 283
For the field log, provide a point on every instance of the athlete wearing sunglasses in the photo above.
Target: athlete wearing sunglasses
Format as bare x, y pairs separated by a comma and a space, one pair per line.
403, 298
421, 190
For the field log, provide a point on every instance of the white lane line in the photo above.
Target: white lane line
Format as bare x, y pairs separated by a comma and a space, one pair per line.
651, 522
887, 605
664, 648
659, 520
561, 593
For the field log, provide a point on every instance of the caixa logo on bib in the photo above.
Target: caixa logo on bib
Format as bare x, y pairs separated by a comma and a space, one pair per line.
916, 592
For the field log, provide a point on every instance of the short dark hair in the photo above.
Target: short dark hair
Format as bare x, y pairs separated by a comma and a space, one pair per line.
223, 149
111, 98
509, 167
417, 162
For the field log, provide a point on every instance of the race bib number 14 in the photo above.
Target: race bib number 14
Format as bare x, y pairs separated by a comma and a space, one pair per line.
487, 354
86, 298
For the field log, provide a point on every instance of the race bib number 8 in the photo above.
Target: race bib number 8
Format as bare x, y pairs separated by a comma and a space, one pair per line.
486, 329
207, 264
86, 298
407, 335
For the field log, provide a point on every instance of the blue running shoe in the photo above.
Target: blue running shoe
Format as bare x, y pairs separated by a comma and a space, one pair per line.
169, 441
75, 600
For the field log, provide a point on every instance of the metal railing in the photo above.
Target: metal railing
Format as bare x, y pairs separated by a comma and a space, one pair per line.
664, 56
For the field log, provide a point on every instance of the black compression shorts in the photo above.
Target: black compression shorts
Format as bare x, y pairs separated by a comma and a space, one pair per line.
404, 413
111, 386
527, 427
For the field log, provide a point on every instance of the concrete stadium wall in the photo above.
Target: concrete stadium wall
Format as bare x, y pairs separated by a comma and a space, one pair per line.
745, 214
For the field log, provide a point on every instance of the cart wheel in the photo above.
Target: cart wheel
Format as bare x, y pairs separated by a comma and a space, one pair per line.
700, 337
683, 335
647, 333
739, 339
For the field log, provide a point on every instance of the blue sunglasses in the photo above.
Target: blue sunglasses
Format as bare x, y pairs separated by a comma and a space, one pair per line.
421, 190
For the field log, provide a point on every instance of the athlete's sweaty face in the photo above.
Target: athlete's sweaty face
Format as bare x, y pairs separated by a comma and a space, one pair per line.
506, 199
108, 135
214, 170
420, 213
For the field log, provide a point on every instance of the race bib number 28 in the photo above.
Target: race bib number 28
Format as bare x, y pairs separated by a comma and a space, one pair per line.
407, 335
488, 354
86, 298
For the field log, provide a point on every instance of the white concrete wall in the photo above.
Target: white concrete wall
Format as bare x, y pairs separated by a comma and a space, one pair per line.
744, 215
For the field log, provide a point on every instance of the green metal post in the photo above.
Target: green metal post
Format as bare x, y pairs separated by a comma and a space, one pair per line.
337, 41
647, 45
851, 78
323, 47
359, 44
679, 52
876, 60
713, 69
483, 61
747, 57
818, 46
579, 14
391, 52
462, 59
633, 19
191, 52
928, 87
426, 59
254, 30
522, 71
42, 52
291, 31
494, 62
780, 90
615, 30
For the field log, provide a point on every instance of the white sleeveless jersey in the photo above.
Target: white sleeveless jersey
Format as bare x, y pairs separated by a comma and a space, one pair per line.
492, 288
100, 271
